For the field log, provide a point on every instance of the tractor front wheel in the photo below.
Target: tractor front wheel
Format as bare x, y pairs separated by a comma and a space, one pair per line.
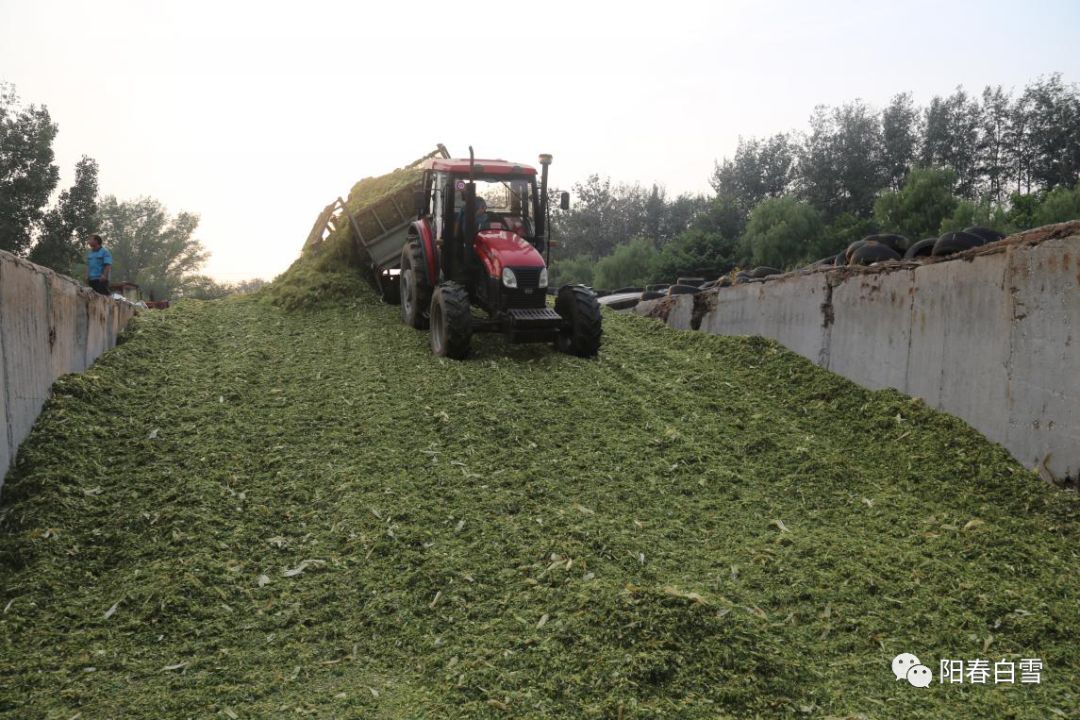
581, 327
414, 291
451, 321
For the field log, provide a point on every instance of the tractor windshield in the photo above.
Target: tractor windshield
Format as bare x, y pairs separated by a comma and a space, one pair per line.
504, 196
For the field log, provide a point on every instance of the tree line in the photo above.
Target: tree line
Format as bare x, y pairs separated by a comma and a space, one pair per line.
1004, 160
150, 246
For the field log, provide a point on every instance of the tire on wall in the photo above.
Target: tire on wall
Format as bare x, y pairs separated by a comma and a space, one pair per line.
871, 253
899, 243
985, 233
581, 329
923, 248
954, 242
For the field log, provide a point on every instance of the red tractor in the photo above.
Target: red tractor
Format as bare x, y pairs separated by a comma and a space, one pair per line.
478, 242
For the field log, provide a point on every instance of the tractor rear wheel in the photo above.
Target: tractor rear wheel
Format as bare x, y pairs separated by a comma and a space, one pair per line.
581, 329
414, 290
451, 321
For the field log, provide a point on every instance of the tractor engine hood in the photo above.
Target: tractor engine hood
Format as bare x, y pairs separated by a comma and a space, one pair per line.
501, 248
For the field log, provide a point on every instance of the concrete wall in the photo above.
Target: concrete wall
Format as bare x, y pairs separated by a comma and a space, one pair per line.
991, 336
49, 326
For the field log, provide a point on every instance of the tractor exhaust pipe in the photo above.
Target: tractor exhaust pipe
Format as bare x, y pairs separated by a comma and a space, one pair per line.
543, 222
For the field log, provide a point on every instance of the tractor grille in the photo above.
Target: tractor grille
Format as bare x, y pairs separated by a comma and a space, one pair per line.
528, 293
520, 299
527, 277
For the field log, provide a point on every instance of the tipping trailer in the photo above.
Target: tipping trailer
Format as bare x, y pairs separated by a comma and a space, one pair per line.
470, 257
381, 229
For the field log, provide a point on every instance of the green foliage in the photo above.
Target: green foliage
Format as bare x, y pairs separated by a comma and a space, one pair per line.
1050, 115
605, 214
1022, 210
841, 164
951, 140
1059, 205
918, 209
840, 233
782, 232
150, 247
66, 225
722, 216
630, 264
27, 173
572, 271
760, 169
202, 287
246, 512
968, 213
899, 139
695, 252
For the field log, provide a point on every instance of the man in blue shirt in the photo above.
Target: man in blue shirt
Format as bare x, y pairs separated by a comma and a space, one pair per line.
98, 266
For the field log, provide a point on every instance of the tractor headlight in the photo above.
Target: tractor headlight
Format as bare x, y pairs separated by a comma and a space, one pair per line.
543, 278
509, 278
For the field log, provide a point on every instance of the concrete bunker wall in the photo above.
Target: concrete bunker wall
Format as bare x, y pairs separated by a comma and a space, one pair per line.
49, 326
992, 336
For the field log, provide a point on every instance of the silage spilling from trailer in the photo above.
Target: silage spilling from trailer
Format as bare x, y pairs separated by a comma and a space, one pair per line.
334, 268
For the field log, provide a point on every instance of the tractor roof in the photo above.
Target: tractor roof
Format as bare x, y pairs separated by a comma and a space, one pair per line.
482, 166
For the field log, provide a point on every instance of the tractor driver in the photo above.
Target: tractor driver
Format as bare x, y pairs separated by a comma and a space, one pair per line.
482, 218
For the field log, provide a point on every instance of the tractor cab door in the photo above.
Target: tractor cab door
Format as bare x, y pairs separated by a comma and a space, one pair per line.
445, 205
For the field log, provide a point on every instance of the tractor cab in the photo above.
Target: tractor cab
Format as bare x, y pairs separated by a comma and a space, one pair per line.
478, 241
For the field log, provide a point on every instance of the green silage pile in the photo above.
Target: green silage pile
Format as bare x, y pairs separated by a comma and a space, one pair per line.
246, 513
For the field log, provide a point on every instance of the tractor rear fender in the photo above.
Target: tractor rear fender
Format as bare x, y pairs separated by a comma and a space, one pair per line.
421, 230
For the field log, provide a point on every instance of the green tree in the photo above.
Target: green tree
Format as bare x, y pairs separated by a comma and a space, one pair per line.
70, 221
841, 168
630, 264
27, 173
695, 252
1054, 117
202, 287
247, 287
603, 216
150, 247
759, 170
782, 232
1061, 204
968, 213
900, 135
918, 208
995, 165
1022, 210
840, 233
951, 139
572, 271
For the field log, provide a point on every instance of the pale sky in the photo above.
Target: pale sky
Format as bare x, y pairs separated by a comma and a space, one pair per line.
256, 115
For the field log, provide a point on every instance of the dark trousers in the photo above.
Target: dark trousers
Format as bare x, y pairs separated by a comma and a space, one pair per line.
100, 286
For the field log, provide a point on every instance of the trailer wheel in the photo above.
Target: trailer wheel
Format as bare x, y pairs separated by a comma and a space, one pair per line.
451, 321
389, 287
581, 330
414, 290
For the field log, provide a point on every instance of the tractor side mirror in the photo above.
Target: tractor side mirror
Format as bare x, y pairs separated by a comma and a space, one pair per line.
564, 201
419, 202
